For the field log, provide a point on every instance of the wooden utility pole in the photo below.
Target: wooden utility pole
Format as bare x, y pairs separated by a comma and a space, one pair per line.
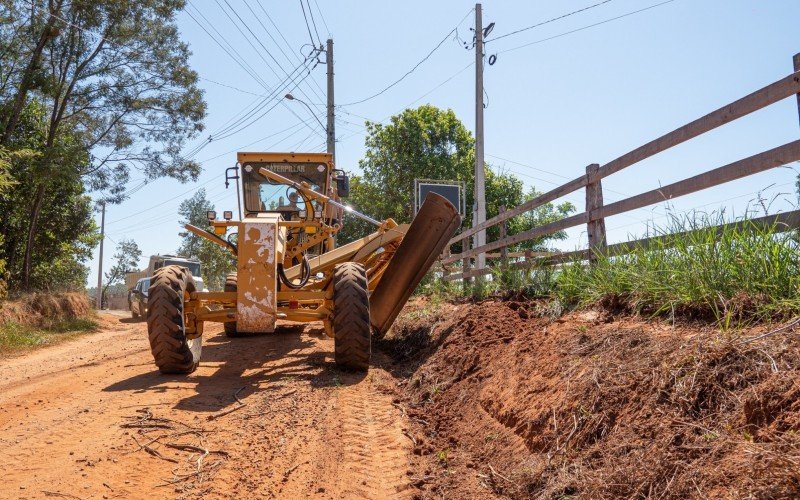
331, 128
480, 190
99, 299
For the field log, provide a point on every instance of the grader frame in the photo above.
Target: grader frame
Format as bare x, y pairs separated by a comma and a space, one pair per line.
355, 290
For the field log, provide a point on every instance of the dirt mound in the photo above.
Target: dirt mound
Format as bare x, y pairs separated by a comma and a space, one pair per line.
42, 310
510, 402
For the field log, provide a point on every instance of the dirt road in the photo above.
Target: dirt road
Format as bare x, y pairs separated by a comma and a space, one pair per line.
262, 417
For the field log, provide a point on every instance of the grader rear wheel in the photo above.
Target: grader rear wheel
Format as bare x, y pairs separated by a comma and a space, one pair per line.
172, 351
351, 326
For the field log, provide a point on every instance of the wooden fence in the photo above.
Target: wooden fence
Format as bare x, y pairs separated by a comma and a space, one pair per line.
596, 211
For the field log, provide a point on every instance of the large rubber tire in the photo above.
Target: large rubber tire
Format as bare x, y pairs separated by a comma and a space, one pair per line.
351, 326
172, 351
230, 326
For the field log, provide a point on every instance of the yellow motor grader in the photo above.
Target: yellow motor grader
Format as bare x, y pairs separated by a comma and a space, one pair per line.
290, 268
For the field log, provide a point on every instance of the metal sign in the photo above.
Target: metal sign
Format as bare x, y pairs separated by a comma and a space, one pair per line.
453, 191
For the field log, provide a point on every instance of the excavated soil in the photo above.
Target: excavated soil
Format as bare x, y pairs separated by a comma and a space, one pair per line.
43, 309
506, 401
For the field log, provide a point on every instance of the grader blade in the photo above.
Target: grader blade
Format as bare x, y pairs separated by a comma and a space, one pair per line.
434, 225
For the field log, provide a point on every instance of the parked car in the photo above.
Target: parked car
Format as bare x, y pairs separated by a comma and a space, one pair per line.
137, 298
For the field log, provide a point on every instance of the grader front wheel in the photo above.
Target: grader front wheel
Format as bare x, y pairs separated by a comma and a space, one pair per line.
351, 326
172, 351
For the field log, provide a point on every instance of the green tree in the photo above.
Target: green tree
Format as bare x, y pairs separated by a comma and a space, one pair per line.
217, 262
431, 143
116, 84
126, 260
66, 234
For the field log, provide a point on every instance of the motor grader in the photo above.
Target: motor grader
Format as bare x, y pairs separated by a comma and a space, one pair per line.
290, 268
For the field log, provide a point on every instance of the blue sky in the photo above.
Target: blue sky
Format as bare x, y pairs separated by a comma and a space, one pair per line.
554, 103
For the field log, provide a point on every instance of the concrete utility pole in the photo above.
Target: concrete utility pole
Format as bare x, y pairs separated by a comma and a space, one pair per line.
99, 300
480, 181
331, 128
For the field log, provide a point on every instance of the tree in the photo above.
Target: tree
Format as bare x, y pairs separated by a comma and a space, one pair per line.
217, 262
431, 143
126, 260
66, 234
116, 75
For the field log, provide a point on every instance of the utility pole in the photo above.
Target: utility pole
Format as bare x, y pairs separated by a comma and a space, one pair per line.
99, 300
331, 128
480, 190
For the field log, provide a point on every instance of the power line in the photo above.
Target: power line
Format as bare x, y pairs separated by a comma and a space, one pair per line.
411, 103
288, 45
322, 16
441, 42
549, 21
238, 58
307, 25
313, 22
312, 55
257, 39
586, 27
228, 130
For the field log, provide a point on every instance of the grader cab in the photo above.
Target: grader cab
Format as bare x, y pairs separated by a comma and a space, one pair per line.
289, 267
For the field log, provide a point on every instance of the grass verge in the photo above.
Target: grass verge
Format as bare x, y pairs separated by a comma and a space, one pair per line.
733, 275
15, 337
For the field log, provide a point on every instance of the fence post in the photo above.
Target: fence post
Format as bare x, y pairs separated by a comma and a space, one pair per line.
503, 234
797, 68
595, 228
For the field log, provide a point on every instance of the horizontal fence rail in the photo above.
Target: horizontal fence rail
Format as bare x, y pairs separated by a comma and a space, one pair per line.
596, 211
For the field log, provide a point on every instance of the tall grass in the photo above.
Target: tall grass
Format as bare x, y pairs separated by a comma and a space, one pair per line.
741, 273
732, 273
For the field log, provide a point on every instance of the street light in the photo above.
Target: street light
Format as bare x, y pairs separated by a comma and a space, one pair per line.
290, 97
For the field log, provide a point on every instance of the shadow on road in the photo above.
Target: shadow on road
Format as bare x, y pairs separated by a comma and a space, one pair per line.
259, 363
131, 320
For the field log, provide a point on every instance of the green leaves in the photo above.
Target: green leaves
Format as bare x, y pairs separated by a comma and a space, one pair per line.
432, 143
217, 262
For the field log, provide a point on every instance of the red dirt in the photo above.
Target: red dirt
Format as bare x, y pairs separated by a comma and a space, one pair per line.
43, 309
93, 418
508, 403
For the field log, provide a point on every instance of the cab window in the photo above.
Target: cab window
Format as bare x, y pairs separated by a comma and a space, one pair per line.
263, 195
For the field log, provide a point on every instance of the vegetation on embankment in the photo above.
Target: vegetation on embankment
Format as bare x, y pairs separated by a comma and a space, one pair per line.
41, 319
736, 275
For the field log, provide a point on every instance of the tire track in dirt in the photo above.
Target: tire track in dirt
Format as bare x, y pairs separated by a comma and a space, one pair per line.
303, 429
374, 448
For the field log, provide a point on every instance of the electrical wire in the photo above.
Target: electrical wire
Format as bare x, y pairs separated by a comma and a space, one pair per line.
239, 124
423, 96
257, 39
285, 41
322, 16
414, 68
549, 21
586, 27
313, 22
307, 25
